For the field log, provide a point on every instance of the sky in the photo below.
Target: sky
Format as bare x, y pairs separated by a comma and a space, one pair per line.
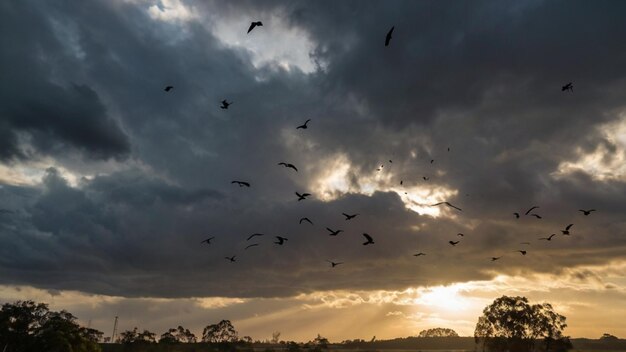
108, 184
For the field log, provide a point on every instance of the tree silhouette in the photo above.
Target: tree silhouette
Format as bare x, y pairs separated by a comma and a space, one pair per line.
275, 337
438, 332
512, 324
223, 331
26, 326
134, 337
608, 337
178, 335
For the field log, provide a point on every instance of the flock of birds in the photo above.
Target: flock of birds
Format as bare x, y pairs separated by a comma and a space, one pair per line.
369, 240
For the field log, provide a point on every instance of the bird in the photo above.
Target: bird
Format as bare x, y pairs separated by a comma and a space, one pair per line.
460, 234
549, 238
569, 86
516, 215
390, 161
232, 259
208, 240
401, 182
333, 264
307, 220
432, 161
289, 166
454, 243
304, 125
225, 104
252, 245
448, 204
369, 239
419, 254
254, 235
523, 252
566, 231
493, 259
536, 215
241, 183
334, 233
302, 196
388, 36
425, 178
281, 240
254, 24
587, 212
349, 217
531, 209
168, 88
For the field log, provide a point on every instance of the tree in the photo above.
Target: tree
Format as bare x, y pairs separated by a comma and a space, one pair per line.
177, 335
223, 331
130, 337
608, 337
438, 332
26, 326
512, 324
320, 342
275, 337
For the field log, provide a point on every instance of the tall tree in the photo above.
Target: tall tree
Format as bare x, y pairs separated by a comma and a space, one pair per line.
224, 331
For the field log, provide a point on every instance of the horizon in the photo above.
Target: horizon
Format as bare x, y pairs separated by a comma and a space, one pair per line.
156, 156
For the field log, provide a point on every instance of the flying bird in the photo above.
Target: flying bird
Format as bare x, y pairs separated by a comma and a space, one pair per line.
493, 259
369, 239
448, 204
432, 161
281, 240
254, 235
333, 264
536, 215
168, 88
225, 104
425, 178
388, 36
523, 252
566, 231
516, 215
569, 86
531, 209
401, 182
304, 125
419, 254
454, 243
232, 259
349, 217
302, 196
289, 166
208, 240
334, 233
241, 183
587, 212
254, 24
307, 220
252, 245
549, 238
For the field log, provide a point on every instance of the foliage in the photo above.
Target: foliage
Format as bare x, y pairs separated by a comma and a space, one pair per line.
608, 337
221, 332
26, 326
177, 335
134, 337
512, 324
438, 332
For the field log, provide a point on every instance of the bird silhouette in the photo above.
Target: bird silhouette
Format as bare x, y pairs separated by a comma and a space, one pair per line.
523, 252
426, 178
419, 254
369, 239
536, 215
448, 204
254, 235
254, 24
302, 196
232, 259
349, 217
281, 240
168, 88
252, 245
307, 220
208, 240
454, 243
531, 209
333, 264
587, 212
225, 104
566, 231
334, 233
432, 161
516, 215
304, 125
388, 36
569, 86
401, 182
549, 238
493, 259
288, 166
241, 183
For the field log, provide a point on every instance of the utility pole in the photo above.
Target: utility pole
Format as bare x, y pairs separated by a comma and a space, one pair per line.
114, 330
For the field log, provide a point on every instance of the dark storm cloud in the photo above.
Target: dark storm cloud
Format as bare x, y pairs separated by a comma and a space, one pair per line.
482, 78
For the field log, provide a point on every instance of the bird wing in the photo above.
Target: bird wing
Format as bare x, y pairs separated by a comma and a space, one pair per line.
368, 237
306, 194
529, 210
568, 227
252, 25
292, 166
